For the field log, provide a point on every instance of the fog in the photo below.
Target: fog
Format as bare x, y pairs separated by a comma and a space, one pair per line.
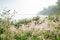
26, 8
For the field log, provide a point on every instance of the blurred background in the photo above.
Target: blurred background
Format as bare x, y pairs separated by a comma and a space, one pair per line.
26, 8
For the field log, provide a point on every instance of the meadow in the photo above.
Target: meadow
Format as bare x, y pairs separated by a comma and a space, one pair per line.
29, 29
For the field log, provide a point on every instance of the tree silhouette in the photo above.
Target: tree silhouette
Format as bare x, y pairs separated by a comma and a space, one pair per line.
51, 10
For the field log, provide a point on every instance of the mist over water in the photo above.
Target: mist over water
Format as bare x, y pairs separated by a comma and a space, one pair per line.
28, 16
26, 8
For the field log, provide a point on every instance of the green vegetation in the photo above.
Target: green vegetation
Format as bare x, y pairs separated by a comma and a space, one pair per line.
18, 30
20, 34
2, 30
24, 36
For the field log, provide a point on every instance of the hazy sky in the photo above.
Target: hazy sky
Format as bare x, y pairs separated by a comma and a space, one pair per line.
26, 7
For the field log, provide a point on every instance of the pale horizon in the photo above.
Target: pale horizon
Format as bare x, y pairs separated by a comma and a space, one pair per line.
26, 8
